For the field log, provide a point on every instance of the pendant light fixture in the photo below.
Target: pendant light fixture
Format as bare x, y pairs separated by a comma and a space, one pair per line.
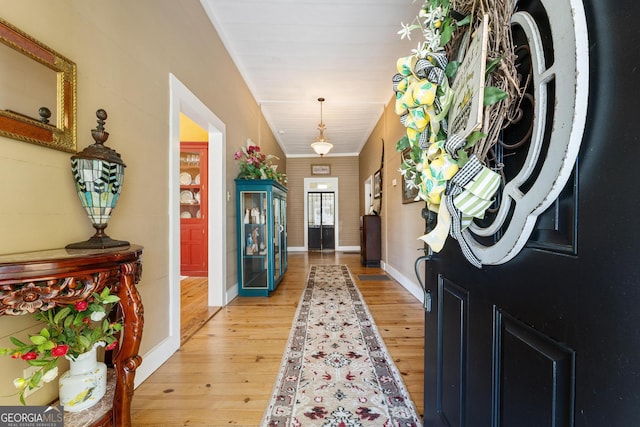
321, 146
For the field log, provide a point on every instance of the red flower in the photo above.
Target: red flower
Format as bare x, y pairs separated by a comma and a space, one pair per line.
86, 320
111, 346
30, 356
16, 354
81, 305
59, 350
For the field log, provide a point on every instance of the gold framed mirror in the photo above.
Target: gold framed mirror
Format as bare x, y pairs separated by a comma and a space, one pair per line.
39, 105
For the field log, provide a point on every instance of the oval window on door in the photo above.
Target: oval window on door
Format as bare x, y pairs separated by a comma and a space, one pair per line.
538, 150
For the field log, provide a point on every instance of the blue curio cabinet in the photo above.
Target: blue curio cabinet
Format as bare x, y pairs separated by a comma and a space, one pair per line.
261, 205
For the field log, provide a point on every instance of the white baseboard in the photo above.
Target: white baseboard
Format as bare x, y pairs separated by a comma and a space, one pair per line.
409, 284
154, 358
339, 248
231, 294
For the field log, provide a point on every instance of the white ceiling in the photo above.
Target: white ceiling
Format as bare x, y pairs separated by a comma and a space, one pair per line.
292, 52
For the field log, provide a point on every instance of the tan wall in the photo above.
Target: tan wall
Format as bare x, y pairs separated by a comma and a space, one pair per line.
343, 168
402, 223
125, 51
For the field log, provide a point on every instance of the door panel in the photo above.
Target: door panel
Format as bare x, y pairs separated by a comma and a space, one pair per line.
529, 367
452, 352
321, 221
552, 336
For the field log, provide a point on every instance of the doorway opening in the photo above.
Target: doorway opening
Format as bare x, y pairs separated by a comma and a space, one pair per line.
322, 213
368, 198
321, 221
184, 102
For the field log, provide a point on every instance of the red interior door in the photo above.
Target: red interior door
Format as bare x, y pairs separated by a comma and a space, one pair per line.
193, 209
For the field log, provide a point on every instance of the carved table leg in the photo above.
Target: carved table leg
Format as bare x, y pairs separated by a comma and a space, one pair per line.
127, 359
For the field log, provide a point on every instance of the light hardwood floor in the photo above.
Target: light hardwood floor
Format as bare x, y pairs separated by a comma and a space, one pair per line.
194, 311
224, 374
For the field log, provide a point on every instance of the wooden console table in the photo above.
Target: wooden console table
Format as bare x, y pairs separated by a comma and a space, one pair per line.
41, 280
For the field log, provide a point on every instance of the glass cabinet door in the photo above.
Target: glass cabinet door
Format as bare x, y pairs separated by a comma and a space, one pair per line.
190, 184
255, 250
277, 225
283, 235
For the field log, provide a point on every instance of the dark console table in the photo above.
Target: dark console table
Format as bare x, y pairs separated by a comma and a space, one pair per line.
40, 280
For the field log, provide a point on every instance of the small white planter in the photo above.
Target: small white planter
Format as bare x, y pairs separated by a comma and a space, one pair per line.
84, 384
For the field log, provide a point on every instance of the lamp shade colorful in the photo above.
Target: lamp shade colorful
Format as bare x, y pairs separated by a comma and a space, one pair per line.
98, 172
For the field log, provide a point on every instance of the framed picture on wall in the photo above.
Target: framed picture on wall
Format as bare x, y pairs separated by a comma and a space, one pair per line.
377, 184
408, 194
320, 169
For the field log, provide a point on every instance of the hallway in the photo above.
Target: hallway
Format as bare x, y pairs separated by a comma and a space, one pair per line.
225, 373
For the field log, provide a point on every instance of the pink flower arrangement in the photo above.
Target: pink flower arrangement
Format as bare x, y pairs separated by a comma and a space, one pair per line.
256, 165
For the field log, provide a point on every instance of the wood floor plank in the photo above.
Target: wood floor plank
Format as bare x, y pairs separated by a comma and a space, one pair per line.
224, 374
194, 308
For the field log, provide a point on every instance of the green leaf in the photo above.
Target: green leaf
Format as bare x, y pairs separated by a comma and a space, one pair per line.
22, 400
38, 362
111, 299
77, 321
473, 138
465, 21
61, 315
452, 69
493, 95
84, 341
447, 31
492, 65
35, 379
402, 143
67, 321
17, 342
47, 346
45, 333
38, 339
463, 158
416, 154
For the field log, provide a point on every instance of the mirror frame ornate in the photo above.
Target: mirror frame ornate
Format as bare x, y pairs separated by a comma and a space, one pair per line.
62, 136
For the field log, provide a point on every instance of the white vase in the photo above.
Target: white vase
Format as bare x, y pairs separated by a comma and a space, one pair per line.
84, 384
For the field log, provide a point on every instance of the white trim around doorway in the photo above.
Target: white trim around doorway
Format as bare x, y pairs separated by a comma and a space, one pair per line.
181, 99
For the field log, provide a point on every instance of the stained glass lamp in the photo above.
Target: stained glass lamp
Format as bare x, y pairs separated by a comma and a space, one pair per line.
98, 172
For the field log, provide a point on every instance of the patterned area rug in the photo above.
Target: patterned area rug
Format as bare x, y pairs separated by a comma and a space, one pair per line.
336, 370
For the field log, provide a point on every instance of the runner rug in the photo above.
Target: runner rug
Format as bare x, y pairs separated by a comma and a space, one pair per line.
336, 370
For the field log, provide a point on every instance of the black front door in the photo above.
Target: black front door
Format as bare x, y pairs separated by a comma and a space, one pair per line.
321, 221
551, 337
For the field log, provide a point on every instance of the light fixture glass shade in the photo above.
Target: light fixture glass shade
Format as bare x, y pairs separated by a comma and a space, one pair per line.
322, 147
98, 172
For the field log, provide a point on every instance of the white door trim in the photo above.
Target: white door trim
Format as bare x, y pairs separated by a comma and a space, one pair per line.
181, 99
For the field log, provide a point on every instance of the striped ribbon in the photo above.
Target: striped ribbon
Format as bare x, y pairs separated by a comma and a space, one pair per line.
468, 195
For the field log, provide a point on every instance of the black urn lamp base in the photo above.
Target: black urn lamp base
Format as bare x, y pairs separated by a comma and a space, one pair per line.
98, 242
